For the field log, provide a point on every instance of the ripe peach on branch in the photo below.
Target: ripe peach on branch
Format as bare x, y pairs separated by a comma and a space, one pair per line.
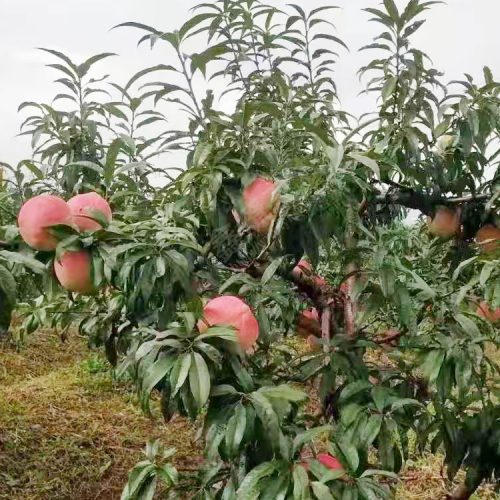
445, 224
488, 238
231, 310
261, 202
85, 206
73, 271
37, 216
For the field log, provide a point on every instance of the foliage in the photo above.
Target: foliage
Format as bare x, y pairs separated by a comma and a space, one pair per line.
343, 184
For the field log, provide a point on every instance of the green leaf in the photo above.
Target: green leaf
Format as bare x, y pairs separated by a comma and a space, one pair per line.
299, 9
19, 258
199, 379
468, 326
137, 479
321, 491
392, 10
332, 475
62, 56
84, 68
321, 9
236, 430
283, 392
245, 491
221, 332
389, 87
367, 162
140, 74
353, 389
370, 430
432, 365
8, 293
268, 417
271, 270
278, 488
180, 372
387, 280
486, 273
405, 307
377, 472
309, 435
203, 150
193, 22
222, 390
385, 448
323, 36
87, 164
300, 483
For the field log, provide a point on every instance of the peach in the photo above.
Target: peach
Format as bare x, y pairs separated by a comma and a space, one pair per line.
485, 311
329, 461
37, 215
445, 223
311, 314
319, 281
308, 323
261, 204
298, 270
231, 310
74, 271
487, 238
82, 206
305, 268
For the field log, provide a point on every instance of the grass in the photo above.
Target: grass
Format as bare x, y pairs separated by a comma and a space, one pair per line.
68, 430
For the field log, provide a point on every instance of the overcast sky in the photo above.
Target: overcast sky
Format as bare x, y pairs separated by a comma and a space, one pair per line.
461, 36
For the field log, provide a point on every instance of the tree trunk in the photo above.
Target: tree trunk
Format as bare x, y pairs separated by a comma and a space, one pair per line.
351, 244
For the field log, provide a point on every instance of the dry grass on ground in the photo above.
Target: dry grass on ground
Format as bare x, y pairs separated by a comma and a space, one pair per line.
67, 430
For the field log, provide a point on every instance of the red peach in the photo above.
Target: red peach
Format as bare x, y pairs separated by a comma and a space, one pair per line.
261, 204
298, 270
330, 462
445, 223
231, 310
485, 311
82, 207
37, 215
487, 238
73, 271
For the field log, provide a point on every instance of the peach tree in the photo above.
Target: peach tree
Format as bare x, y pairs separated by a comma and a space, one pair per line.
284, 218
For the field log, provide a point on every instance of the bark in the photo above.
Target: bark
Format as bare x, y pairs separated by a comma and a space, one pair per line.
423, 201
326, 323
351, 244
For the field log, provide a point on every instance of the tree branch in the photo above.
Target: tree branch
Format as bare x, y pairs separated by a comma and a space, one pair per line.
326, 323
422, 201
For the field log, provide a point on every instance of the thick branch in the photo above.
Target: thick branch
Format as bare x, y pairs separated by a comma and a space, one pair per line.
351, 243
422, 201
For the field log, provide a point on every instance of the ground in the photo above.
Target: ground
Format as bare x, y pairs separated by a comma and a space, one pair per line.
68, 430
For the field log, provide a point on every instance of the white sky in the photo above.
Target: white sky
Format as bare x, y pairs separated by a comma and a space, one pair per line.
460, 37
